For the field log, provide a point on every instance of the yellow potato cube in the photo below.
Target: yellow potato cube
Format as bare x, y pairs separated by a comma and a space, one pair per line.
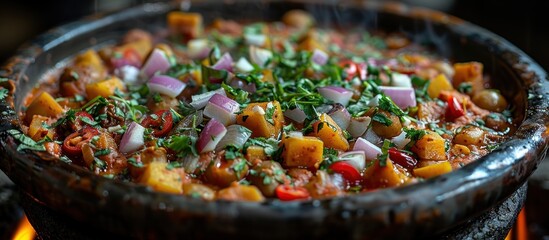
162, 179
302, 152
104, 88
433, 170
44, 105
329, 132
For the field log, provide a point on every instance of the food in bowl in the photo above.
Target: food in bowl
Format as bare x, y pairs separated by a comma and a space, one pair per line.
249, 111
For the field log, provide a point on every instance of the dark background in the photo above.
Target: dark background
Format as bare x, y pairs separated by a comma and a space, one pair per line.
524, 23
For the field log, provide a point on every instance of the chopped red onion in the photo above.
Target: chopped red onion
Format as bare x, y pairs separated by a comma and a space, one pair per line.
358, 126
400, 141
255, 39
129, 74
295, 114
242, 65
198, 48
319, 57
133, 138
211, 135
157, 62
199, 101
295, 134
355, 158
401, 80
336, 94
166, 85
402, 96
222, 108
382, 62
238, 83
224, 63
260, 56
236, 136
370, 150
341, 116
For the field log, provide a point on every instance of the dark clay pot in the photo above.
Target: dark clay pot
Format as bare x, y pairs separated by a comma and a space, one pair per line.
106, 208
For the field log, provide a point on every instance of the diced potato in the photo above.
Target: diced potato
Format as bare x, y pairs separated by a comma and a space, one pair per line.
393, 130
298, 18
90, 59
458, 149
154, 154
162, 179
390, 175
222, 172
44, 105
330, 133
255, 152
310, 44
490, 100
430, 147
254, 117
237, 192
470, 72
438, 84
470, 135
37, 131
433, 170
199, 190
187, 24
302, 152
104, 88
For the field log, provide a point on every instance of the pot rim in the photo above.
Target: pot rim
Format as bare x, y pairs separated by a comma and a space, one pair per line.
510, 164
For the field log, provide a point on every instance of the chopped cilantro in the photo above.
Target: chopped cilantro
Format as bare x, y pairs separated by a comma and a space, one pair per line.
465, 87
381, 118
3, 93
269, 113
384, 153
26, 142
183, 145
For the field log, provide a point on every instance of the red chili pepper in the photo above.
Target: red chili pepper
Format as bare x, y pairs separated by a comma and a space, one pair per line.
349, 172
354, 69
402, 159
79, 115
161, 124
72, 145
290, 193
454, 108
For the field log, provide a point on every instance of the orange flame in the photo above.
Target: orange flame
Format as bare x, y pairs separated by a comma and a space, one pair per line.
24, 231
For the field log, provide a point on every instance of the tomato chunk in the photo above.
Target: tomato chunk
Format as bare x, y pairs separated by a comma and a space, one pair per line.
290, 193
349, 172
402, 159
161, 122
454, 109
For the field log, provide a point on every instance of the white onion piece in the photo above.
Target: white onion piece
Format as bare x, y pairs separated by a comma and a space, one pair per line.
402, 96
374, 102
370, 150
342, 117
222, 109
355, 158
358, 126
372, 137
260, 56
190, 163
255, 39
242, 65
166, 85
133, 138
157, 62
319, 57
400, 141
338, 181
198, 48
295, 134
401, 80
324, 108
336, 94
236, 135
224, 63
129, 74
211, 135
296, 115
199, 101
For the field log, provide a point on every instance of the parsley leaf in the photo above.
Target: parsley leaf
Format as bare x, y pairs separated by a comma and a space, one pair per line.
269, 113
384, 153
381, 118
26, 142
3, 93
183, 145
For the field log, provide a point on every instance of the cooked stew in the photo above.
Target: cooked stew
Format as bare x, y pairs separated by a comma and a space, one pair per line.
250, 111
